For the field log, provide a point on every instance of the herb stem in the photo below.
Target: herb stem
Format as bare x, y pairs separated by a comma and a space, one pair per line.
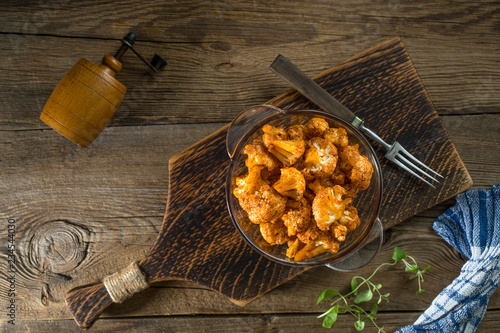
367, 295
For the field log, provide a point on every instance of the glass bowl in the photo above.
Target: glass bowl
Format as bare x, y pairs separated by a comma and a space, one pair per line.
360, 246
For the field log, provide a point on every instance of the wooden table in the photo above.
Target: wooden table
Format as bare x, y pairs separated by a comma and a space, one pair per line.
80, 214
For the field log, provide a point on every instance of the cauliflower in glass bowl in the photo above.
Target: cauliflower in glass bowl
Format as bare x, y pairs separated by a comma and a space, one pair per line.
304, 188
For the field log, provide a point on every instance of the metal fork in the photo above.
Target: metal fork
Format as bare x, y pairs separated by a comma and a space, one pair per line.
310, 89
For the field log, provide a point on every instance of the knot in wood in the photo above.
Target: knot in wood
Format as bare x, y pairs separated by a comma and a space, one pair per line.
58, 246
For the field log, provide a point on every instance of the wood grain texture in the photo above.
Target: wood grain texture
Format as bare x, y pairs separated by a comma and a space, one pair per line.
122, 213
112, 195
173, 96
211, 47
293, 323
91, 301
198, 242
117, 240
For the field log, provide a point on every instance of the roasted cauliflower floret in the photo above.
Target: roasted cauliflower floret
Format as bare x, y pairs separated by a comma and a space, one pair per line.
250, 183
338, 177
329, 205
287, 151
338, 231
300, 185
350, 218
291, 183
309, 195
310, 235
337, 136
297, 132
320, 184
316, 127
348, 157
258, 155
297, 217
264, 205
329, 242
325, 241
321, 158
278, 132
294, 245
352, 190
309, 251
356, 166
361, 173
274, 232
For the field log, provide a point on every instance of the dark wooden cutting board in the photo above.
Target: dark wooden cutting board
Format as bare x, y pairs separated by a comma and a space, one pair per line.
198, 241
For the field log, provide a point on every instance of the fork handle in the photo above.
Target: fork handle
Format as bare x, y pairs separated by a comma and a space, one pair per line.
310, 89
371, 134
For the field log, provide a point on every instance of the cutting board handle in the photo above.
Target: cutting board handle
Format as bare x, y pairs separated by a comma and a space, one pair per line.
86, 303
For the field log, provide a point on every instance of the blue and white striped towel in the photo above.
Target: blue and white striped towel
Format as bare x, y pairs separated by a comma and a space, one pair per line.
472, 227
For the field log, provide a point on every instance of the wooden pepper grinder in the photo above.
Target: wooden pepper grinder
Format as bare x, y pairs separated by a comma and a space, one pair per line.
88, 96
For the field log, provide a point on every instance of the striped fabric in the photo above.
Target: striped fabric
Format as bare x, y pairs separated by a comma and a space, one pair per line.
472, 227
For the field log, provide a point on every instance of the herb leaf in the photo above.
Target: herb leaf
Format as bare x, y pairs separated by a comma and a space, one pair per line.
359, 325
327, 295
331, 317
411, 268
398, 254
354, 284
364, 296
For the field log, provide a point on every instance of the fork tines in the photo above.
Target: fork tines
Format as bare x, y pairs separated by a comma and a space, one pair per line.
401, 157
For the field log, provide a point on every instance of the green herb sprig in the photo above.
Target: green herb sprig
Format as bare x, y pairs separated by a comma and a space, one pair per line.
364, 290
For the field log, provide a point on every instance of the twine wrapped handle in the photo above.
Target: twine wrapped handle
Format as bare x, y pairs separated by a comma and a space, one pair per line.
126, 282
86, 303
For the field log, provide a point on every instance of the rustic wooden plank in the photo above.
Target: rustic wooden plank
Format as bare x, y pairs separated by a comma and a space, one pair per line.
458, 82
182, 21
87, 201
293, 323
130, 192
455, 53
121, 159
477, 143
